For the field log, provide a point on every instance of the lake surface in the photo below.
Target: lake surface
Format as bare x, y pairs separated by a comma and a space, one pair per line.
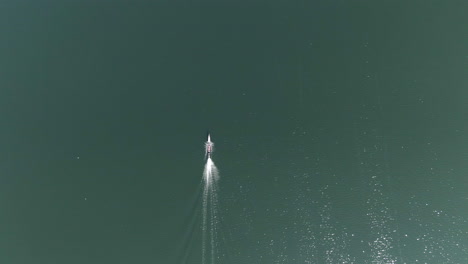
340, 131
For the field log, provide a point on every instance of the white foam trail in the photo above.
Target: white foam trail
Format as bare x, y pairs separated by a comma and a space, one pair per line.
204, 224
210, 174
210, 213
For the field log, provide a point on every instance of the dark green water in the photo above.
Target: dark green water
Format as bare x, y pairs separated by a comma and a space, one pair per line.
340, 131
